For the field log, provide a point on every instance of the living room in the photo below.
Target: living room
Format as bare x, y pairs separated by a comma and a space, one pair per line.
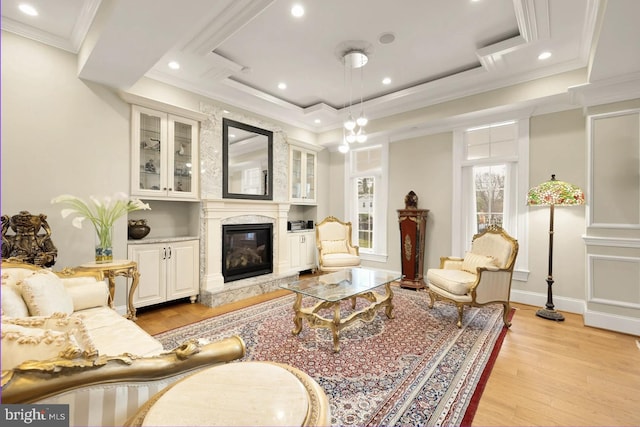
80, 144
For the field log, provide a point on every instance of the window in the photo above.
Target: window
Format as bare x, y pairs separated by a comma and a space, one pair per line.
367, 199
365, 211
490, 184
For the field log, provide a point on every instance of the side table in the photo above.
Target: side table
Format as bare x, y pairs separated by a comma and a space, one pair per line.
113, 269
238, 394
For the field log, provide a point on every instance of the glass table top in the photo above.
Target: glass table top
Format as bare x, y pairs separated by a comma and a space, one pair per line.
341, 284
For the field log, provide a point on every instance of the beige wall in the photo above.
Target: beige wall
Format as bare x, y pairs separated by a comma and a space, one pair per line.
60, 135
557, 145
423, 165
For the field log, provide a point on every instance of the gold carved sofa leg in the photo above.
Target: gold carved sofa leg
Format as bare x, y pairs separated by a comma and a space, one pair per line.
432, 299
460, 311
505, 314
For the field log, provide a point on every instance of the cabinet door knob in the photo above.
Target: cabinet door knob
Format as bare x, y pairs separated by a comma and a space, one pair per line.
164, 251
169, 252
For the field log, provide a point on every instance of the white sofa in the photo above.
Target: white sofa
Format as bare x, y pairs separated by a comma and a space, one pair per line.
62, 343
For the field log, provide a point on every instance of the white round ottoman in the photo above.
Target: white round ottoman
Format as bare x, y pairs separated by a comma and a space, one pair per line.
239, 394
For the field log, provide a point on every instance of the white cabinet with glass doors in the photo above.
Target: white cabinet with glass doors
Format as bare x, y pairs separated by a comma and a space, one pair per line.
303, 176
164, 155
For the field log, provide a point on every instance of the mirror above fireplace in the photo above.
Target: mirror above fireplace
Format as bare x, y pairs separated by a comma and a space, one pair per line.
247, 159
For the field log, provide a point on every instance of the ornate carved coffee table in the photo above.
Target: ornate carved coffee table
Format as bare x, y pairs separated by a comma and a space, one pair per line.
333, 288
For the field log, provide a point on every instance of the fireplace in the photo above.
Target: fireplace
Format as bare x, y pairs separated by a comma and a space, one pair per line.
247, 251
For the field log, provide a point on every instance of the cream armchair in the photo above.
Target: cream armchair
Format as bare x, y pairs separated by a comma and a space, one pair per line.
482, 277
335, 251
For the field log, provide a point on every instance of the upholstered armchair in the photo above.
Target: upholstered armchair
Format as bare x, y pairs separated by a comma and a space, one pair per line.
482, 277
335, 251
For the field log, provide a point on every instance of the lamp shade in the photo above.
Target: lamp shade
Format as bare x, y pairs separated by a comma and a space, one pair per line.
556, 193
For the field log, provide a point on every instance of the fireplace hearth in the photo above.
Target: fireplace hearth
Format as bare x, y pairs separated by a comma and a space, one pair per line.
247, 251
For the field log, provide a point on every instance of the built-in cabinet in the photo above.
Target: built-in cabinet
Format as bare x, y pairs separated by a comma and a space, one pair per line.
164, 155
169, 270
302, 250
302, 167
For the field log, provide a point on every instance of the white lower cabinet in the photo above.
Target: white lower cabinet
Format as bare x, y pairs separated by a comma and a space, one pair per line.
302, 250
168, 271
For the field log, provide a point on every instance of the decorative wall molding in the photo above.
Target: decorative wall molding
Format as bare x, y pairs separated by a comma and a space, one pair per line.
592, 261
615, 242
599, 169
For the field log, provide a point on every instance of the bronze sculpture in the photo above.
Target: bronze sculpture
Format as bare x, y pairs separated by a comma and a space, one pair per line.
27, 243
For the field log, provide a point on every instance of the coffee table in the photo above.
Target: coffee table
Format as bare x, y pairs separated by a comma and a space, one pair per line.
333, 288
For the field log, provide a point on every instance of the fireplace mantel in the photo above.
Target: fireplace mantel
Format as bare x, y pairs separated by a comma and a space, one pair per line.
226, 211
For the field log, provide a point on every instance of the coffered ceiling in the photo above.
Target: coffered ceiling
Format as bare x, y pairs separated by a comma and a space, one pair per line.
238, 51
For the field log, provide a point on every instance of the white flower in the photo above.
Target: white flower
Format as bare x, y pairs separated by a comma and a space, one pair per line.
77, 221
102, 214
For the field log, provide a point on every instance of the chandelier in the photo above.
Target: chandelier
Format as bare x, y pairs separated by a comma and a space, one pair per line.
353, 129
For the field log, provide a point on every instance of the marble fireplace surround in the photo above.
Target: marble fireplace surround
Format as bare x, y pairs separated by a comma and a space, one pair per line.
217, 212
213, 290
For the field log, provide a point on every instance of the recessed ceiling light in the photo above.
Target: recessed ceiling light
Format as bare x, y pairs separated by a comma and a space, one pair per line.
297, 10
386, 38
174, 65
317, 121
544, 55
282, 86
386, 81
225, 111
27, 9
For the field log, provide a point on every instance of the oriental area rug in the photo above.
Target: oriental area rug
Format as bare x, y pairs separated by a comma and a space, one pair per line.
415, 369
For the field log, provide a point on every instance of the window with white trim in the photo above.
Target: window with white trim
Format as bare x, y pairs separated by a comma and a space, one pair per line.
367, 200
491, 169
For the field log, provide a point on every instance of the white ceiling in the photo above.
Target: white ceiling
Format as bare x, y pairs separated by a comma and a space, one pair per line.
237, 51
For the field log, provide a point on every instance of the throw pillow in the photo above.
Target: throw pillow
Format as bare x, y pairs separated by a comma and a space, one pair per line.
44, 294
87, 292
334, 247
472, 261
13, 276
42, 338
12, 303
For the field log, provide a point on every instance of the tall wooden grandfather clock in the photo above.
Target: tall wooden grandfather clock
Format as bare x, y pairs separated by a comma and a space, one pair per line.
413, 225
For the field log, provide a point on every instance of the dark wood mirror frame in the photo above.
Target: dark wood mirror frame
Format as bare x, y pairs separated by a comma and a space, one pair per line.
268, 179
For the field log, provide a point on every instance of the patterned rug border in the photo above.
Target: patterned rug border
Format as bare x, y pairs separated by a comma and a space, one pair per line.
456, 406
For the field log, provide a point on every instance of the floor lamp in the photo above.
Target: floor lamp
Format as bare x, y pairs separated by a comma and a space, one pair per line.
553, 193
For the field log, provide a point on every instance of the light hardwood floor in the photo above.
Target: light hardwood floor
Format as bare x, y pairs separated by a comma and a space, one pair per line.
547, 373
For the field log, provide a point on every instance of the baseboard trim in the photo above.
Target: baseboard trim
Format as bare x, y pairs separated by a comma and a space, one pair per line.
571, 305
596, 319
613, 322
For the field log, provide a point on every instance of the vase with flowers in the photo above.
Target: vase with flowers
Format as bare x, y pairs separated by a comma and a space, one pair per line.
102, 213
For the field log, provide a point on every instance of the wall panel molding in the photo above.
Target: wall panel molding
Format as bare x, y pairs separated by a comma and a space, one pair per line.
621, 270
614, 242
